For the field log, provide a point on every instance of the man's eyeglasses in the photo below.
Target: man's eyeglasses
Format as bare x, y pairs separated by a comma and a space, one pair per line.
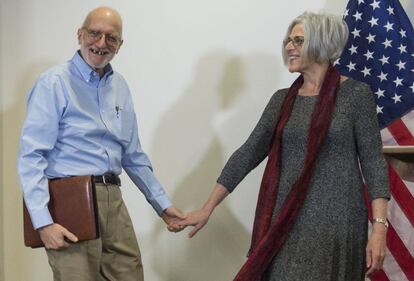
110, 39
297, 41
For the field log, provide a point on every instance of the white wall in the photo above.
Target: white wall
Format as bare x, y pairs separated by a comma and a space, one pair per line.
201, 73
1, 147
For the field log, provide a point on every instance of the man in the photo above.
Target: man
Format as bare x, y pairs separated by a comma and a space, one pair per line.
80, 121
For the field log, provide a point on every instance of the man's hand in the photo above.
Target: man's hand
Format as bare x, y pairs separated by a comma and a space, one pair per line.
53, 236
172, 217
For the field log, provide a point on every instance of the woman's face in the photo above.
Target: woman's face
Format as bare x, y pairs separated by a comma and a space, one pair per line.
293, 47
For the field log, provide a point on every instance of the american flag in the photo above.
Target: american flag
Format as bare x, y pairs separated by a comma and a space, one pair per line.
380, 52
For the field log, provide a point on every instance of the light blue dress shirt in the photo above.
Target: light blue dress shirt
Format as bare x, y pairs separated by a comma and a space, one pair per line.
78, 124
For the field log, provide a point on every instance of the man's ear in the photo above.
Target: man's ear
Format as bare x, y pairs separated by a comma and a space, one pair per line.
119, 47
79, 35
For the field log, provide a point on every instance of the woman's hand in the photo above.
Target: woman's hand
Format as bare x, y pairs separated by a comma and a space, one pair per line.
198, 219
375, 250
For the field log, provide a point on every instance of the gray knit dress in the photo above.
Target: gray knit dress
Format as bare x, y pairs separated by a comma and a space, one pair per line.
327, 242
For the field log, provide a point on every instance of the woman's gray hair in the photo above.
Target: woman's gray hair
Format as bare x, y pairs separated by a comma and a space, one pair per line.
325, 37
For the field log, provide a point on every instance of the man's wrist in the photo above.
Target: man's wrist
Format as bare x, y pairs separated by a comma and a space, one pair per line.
40, 229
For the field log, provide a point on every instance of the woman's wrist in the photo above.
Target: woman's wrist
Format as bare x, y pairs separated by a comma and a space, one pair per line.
208, 208
379, 228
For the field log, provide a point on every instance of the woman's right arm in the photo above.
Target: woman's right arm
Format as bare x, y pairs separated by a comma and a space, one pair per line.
199, 218
256, 148
242, 161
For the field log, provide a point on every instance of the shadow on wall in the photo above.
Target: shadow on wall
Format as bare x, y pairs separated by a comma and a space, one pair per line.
192, 143
219, 250
13, 116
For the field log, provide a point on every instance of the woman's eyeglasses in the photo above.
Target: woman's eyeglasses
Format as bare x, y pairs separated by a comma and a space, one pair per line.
297, 41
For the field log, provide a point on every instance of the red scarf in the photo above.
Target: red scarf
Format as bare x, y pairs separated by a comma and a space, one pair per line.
269, 235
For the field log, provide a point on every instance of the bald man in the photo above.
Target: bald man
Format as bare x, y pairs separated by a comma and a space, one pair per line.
80, 121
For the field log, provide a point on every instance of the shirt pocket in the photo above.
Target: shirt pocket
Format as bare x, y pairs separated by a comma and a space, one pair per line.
124, 124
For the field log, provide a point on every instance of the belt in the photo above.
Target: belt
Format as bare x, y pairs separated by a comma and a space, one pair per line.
108, 179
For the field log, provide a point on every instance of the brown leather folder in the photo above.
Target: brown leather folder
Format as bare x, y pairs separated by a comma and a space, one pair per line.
72, 204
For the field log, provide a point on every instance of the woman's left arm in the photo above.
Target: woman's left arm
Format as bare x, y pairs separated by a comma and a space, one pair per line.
375, 250
374, 169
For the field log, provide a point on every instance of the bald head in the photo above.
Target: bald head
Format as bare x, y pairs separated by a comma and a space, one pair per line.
104, 14
100, 37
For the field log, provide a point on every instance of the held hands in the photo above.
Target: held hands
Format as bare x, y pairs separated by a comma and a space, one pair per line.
176, 221
375, 250
55, 236
173, 218
198, 219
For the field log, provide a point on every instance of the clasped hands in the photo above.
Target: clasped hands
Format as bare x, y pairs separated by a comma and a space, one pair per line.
176, 221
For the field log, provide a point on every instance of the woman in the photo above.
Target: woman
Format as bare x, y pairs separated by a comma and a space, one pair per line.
311, 218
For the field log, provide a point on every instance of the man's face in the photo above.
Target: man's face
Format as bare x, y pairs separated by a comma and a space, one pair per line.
99, 41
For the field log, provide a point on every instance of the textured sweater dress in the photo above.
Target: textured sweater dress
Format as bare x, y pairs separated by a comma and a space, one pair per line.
329, 237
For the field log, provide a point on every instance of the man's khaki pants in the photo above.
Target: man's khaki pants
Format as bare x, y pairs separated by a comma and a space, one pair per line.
115, 256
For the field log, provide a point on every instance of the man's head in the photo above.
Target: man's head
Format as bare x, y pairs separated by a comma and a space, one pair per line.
100, 37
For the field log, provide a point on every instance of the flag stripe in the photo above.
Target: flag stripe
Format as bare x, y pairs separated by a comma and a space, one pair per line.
380, 276
408, 120
393, 270
400, 253
401, 195
401, 225
387, 138
410, 187
401, 133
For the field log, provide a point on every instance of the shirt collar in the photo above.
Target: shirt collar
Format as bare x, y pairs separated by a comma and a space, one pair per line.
86, 71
